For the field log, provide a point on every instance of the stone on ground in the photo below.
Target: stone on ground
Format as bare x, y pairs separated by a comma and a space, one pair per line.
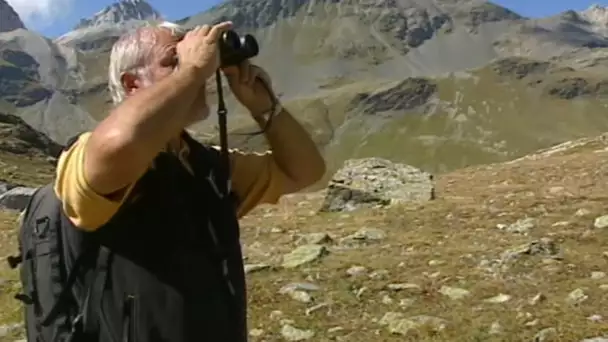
374, 182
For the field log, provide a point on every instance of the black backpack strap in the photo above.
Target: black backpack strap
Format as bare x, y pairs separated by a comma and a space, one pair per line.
66, 292
208, 160
96, 284
219, 162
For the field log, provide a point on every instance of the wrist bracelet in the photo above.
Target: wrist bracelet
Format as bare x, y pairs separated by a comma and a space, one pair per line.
276, 109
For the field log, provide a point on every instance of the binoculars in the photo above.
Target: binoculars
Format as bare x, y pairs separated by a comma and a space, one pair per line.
235, 49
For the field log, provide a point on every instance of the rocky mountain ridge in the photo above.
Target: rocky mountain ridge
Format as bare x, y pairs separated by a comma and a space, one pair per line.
9, 19
100, 31
119, 13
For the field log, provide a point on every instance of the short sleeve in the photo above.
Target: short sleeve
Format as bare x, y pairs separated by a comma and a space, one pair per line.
256, 179
86, 208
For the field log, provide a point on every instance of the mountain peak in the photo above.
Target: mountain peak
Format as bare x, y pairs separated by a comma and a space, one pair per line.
121, 11
9, 19
596, 14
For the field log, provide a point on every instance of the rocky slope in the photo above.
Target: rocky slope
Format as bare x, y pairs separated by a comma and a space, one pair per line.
23, 148
504, 252
9, 19
435, 78
19, 138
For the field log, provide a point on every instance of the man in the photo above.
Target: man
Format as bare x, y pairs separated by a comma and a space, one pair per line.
119, 182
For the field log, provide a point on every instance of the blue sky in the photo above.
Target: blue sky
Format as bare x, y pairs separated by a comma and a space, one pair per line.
55, 17
541, 8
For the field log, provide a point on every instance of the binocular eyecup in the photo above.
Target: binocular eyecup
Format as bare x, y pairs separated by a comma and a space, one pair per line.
235, 49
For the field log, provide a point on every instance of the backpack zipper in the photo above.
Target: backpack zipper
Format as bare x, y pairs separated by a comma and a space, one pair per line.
128, 326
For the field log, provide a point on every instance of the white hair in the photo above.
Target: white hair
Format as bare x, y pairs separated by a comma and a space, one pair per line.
130, 54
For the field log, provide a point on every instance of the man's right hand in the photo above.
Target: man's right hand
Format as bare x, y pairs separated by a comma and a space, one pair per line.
199, 48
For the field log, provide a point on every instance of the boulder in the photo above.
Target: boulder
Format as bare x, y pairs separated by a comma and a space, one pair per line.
16, 198
4, 187
374, 182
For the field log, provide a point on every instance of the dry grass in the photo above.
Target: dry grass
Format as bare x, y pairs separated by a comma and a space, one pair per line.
9, 286
25, 170
458, 231
443, 242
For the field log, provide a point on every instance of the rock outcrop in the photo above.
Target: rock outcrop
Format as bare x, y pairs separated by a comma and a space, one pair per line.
4, 187
16, 198
574, 87
9, 19
17, 137
374, 182
404, 96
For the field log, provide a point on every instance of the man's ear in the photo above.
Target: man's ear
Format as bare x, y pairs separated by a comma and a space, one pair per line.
130, 82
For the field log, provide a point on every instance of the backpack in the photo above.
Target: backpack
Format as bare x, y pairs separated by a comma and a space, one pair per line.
63, 272
54, 306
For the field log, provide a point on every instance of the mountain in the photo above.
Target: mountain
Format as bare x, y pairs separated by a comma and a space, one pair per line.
120, 12
451, 82
102, 29
35, 75
9, 19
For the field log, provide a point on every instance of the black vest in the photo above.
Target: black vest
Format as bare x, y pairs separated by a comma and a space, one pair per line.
176, 269
173, 255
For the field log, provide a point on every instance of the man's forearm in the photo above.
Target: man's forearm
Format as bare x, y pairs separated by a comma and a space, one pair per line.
122, 147
293, 150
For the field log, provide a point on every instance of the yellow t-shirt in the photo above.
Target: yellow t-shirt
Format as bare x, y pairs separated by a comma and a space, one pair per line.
256, 179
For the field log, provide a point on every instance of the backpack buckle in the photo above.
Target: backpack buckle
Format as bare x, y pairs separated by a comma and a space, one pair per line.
41, 226
77, 323
14, 260
25, 299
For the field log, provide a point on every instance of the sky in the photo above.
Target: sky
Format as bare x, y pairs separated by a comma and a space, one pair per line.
53, 18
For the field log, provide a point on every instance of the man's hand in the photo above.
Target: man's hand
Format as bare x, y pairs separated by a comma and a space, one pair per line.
124, 144
199, 48
246, 84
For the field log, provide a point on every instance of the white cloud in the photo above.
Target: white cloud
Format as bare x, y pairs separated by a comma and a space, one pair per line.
41, 11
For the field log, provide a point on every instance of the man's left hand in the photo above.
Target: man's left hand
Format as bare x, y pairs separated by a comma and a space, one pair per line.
245, 81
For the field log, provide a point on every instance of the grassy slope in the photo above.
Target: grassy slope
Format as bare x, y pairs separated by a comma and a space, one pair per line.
12, 170
477, 118
28, 171
484, 119
9, 286
458, 231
